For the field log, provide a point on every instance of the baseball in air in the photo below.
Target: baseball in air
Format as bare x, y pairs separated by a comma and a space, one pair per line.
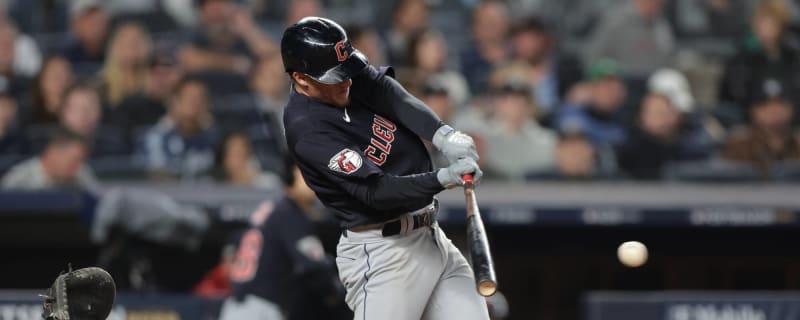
632, 254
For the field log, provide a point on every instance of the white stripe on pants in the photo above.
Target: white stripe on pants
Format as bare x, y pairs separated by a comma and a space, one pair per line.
420, 275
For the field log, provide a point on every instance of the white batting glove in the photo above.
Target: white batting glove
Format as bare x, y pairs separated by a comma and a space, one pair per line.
454, 144
452, 176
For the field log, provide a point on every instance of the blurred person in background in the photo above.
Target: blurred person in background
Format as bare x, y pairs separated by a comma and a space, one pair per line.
770, 138
11, 140
62, 164
81, 113
767, 51
27, 58
367, 40
551, 73
48, 89
427, 58
269, 85
227, 39
667, 129
514, 144
12, 80
409, 17
239, 165
146, 107
281, 270
436, 96
182, 143
576, 159
86, 46
124, 71
636, 35
490, 25
596, 108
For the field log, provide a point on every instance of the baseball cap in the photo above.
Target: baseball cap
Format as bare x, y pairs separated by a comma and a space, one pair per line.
673, 85
80, 7
603, 68
769, 89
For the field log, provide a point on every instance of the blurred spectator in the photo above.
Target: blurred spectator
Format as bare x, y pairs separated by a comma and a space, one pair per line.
146, 107
770, 138
81, 113
489, 45
270, 85
368, 41
767, 52
11, 141
88, 24
182, 143
410, 17
576, 158
227, 39
25, 53
48, 89
125, 68
299, 9
427, 58
514, 143
239, 166
667, 129
435, 95
636, 35
12, 80
61, 164
596, 109
552, 73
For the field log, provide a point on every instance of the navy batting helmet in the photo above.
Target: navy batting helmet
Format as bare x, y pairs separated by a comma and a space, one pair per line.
320, 49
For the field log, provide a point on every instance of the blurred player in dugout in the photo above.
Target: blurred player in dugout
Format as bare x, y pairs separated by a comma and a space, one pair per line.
281, 271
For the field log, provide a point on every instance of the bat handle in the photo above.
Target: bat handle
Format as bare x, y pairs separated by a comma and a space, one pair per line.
467, 179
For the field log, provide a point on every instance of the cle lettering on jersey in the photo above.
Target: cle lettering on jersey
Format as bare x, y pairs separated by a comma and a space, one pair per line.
381, 143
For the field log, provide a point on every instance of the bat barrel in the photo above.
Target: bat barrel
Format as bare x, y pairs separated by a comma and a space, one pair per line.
481, 256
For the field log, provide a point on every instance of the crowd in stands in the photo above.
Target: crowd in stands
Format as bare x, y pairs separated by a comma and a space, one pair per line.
192, 90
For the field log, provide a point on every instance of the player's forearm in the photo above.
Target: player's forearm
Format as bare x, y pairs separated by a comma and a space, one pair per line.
389, 192
406, 109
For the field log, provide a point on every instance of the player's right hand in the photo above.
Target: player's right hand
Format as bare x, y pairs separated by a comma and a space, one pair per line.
452, 176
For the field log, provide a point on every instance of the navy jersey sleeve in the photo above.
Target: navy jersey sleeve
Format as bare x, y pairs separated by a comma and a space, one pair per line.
343, 164
387, 97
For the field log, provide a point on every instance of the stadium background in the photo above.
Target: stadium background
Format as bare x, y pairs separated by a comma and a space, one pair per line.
670, 122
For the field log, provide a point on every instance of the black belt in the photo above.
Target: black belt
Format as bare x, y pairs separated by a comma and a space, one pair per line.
395, 227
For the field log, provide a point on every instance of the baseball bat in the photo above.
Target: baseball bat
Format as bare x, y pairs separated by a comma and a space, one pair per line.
481, 256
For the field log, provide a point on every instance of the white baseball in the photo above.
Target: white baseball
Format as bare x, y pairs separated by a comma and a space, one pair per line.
632, 254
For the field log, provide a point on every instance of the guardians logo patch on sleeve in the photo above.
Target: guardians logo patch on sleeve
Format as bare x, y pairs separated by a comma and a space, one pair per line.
346, 161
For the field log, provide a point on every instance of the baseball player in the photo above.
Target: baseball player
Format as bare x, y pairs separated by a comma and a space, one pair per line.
357, 136
281, 270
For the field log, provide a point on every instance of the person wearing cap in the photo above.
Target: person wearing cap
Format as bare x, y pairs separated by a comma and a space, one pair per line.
88, 27
357, 136
770, 138
666, 129
514, 144
768, 51
596, 108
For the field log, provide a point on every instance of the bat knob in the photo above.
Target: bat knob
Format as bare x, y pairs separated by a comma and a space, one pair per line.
467, 178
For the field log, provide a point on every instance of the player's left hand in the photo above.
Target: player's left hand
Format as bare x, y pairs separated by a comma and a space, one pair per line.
455, 145
452, 176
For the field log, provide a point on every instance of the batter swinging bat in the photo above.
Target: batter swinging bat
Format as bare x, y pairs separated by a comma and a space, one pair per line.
482, 263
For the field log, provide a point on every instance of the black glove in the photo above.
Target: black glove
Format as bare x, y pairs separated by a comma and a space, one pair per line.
83, 294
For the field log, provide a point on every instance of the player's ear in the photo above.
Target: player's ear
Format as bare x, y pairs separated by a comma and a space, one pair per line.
299, 79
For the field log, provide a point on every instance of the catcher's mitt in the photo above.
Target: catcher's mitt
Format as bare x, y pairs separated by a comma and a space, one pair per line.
83, 294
